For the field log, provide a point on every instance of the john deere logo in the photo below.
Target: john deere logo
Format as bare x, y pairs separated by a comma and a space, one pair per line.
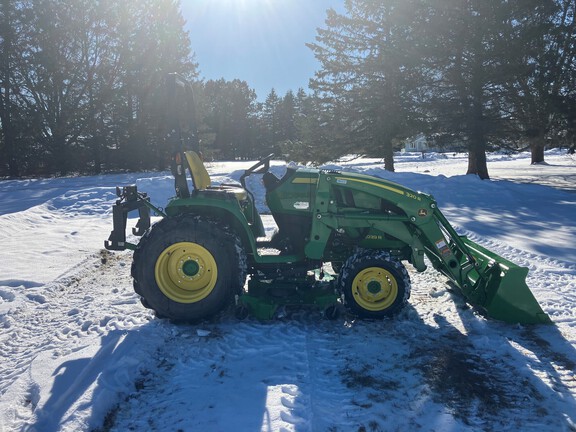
422, 212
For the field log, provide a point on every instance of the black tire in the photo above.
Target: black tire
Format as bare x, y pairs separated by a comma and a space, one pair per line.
374, 285
188, 268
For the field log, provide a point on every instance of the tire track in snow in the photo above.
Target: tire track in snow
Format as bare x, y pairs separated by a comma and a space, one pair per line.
280, 375
326, 348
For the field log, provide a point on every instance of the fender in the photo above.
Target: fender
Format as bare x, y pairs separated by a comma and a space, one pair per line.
228, 210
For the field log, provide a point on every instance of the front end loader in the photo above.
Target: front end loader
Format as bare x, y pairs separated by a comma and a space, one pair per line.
195, 261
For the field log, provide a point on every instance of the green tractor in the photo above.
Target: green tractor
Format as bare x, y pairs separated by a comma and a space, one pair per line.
195, 261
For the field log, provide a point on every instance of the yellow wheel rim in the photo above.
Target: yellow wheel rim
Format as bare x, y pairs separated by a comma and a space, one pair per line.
375, 289
186, 272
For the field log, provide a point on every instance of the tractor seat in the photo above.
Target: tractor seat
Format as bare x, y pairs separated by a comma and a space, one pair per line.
202, 181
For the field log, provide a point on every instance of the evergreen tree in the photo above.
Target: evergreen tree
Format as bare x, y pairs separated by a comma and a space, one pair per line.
270, 123
465, 60
10, 22
152, 44
365, 75
543, 49
315, 135
229, 116
287, 118
470, 72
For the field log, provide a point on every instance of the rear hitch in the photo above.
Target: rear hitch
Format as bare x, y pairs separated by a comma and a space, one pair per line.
129, 200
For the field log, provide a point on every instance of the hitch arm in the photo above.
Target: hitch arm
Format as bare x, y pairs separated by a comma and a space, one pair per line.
129, 200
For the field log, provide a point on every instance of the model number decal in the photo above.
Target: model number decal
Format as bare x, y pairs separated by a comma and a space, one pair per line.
411, 195
373, 237
301, 205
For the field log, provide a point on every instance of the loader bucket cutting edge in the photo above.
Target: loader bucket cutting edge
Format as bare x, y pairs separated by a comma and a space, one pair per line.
508, 297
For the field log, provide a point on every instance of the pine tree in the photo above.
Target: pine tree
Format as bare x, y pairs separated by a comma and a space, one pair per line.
229, 116
270, 123
8, 39
365, 77
543, 47
465, 61
152, 43
315, 135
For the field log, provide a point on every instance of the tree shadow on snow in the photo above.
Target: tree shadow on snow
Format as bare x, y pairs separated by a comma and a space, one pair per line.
111, 369
477, 371
521, 375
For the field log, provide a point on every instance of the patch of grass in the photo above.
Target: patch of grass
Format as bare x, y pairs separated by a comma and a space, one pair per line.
365, 378
469, 386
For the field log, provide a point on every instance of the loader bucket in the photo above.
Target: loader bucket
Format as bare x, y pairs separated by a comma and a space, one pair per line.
499, 287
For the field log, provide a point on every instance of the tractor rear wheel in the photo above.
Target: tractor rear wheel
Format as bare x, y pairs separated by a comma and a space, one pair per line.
374, 284
188, 268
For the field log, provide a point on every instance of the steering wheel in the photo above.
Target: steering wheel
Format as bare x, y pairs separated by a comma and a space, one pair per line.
264, 163
260, 167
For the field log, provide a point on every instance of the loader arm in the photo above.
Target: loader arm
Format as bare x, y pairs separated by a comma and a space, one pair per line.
394, 215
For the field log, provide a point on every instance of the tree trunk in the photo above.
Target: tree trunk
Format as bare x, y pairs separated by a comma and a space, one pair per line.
472, 166
61, 155
97, 153
10, 143
537, 154
537, 147
477, 147
389, 156
477, 159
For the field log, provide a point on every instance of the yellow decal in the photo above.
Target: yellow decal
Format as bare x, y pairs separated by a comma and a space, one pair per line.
379, 185
304, 180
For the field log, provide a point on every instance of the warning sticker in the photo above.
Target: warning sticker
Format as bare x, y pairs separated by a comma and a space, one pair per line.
443, 247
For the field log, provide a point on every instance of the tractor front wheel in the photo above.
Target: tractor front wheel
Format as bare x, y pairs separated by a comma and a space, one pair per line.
374, 285
188, 268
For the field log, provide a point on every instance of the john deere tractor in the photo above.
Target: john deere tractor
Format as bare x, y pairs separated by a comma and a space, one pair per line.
209, 250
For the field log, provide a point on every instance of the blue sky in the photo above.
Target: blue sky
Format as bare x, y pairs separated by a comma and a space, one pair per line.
259, 41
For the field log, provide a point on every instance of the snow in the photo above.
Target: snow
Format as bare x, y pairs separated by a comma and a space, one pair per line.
78, 352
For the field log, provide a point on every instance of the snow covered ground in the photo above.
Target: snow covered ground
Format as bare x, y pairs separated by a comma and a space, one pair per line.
79, 353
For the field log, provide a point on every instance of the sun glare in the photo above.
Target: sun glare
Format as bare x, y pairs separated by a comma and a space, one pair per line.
246, 4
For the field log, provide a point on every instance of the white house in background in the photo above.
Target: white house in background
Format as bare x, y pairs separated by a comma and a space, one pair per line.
417, 143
